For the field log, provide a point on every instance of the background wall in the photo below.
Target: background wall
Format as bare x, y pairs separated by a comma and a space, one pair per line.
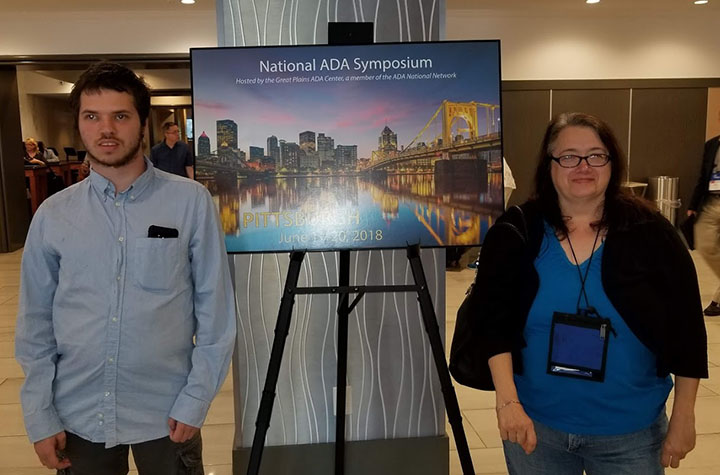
661, 124
110, 28
713, 113
14, 209
550, 41
44, 111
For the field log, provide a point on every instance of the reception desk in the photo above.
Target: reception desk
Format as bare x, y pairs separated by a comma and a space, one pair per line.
38, 179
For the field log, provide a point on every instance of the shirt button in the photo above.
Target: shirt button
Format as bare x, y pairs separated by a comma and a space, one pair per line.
132, 197
121, 239
114, 319
117, 203
111, 359
107, 393
100, 423
118, 277
100, 416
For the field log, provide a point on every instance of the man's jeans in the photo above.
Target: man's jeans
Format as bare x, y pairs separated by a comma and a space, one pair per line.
560, 453
155, 457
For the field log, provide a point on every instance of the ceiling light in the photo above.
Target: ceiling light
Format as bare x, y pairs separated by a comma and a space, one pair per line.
592, 1
187, 2
700, 2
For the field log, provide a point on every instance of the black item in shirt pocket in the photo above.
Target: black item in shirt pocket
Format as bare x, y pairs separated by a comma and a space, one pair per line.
161, 232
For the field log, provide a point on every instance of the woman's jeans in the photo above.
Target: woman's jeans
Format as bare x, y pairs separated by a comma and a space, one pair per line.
560, 453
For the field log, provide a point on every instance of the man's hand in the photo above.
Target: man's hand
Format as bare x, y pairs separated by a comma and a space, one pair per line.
517, 427
679, 441
180, 432
47, 451
691, 213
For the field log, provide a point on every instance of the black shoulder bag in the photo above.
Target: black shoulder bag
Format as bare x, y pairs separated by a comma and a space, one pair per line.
468, 364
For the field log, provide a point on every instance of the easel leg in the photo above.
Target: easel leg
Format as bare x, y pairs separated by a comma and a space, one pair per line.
282, 327
433, 332
341, 384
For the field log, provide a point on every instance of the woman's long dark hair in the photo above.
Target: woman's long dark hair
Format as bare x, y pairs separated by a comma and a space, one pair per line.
621, 207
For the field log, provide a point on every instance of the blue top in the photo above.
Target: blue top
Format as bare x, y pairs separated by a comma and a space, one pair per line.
632, 395
107, 315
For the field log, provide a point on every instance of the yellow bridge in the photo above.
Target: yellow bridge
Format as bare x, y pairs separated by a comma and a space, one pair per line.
459, 132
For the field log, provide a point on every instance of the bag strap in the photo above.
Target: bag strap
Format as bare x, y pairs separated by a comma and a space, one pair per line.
520, 227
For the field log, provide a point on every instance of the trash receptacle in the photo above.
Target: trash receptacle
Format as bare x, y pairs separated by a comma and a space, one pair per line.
664, 191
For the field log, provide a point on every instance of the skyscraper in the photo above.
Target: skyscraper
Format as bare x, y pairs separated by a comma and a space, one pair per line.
273, 149
307, 141
325, 148
227, 133
387, 142
256, 154
203, 145
289, 153
346, 156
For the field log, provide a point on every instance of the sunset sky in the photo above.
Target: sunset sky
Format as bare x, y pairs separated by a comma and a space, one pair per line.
351, 112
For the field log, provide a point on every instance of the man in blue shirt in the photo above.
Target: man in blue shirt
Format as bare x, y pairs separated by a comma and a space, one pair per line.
172, 154
126, 318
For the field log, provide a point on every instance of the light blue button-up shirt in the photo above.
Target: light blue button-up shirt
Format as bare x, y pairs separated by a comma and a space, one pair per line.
117, 331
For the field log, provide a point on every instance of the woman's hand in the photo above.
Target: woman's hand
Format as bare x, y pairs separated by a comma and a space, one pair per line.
513, 423
679, 441
516, 426
680, 437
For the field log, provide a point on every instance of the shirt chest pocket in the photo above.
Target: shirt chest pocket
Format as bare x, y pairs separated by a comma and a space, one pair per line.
155, 263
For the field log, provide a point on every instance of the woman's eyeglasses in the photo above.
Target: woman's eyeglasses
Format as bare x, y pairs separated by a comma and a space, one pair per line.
572, 161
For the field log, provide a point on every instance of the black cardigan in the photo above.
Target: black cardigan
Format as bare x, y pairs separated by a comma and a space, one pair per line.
647, 273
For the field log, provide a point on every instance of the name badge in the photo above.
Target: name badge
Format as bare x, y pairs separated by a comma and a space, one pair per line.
578, 346
714, 182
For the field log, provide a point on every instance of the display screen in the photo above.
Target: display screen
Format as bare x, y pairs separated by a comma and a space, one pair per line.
350, 147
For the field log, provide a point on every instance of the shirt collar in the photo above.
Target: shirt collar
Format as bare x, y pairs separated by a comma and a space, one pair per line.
105, 187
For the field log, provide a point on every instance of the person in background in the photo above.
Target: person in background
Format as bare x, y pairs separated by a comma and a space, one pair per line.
508, 182
33, 155
705, 205
84, 170
172, 154
48, 154
126, 318
588, 301
508, 188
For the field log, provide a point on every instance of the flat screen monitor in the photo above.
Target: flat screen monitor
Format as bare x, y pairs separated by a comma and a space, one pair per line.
350, 147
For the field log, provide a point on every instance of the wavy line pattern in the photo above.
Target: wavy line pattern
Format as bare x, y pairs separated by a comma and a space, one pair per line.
302, 24
391, 376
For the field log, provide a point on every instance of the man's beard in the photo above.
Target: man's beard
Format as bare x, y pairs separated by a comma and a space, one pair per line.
125, 159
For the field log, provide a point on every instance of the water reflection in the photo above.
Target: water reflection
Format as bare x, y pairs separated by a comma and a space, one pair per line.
378, 211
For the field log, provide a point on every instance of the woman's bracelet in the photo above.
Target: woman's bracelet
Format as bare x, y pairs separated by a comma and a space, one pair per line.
506, 404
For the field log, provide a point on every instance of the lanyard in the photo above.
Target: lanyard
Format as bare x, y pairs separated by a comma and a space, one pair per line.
583, 279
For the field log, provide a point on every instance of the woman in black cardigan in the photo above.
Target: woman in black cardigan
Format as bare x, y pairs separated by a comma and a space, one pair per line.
587, 302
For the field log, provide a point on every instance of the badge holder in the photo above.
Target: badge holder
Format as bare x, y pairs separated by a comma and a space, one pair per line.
579, 341
579, 345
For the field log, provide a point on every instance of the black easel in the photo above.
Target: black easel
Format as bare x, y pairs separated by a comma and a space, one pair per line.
282, 327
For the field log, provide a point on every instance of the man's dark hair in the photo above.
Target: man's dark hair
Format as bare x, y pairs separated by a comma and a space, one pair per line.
620, 209
166, 126
113, 77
